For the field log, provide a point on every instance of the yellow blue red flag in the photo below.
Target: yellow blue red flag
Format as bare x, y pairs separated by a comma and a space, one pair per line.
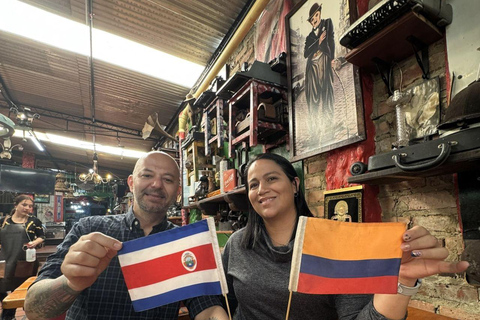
332, 257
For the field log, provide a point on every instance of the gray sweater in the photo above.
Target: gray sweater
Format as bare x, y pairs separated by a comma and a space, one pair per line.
258, 287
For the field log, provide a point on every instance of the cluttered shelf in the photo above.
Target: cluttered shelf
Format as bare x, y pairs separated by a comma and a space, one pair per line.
236, 199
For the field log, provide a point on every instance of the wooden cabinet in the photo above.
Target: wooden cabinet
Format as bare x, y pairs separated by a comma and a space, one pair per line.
249, 122
214, 126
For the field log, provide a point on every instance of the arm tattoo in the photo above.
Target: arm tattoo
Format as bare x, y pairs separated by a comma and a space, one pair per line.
50, 299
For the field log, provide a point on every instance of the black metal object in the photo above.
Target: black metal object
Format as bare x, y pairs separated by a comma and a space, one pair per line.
385, 71
422, 61
387, 11
428, 154
464, 108
259, 71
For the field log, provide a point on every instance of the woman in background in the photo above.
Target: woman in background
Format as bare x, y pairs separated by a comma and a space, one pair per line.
257, 258
19, 231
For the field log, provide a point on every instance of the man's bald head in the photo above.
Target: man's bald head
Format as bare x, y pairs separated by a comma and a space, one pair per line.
140, 160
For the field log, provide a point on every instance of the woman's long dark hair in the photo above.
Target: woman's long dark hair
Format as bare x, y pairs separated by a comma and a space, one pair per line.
255, 222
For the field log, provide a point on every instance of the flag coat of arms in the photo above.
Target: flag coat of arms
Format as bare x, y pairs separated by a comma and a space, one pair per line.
173, 265
331, 257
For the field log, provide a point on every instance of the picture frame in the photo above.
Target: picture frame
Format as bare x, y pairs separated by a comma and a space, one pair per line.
344, 204
42, 198
324, 90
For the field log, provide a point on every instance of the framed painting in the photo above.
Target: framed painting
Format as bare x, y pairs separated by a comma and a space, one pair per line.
344, 204
324, 91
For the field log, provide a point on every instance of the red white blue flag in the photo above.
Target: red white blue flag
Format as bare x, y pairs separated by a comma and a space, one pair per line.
173, 265
331, 257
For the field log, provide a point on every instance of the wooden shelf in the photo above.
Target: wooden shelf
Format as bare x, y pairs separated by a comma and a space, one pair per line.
463, 161
236, 200
225, 231
391, 44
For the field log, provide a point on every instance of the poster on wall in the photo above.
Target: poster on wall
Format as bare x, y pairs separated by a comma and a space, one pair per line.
58, 208
270, 38
324, 91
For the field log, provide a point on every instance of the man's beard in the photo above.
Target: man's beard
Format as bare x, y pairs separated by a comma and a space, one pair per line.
152, 207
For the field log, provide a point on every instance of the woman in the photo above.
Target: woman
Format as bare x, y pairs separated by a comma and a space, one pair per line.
257, 258
19, 232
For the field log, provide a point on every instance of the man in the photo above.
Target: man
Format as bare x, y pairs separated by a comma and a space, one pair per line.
319, 52
84, 279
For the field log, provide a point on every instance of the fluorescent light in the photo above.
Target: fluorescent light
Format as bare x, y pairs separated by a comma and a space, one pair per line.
39, 25
35, 141
79, 144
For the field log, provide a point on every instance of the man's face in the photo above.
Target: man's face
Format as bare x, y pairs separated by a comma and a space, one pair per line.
154, 183
315, 21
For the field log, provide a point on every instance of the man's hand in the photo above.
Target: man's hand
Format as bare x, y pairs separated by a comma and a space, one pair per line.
322, 37
88, 258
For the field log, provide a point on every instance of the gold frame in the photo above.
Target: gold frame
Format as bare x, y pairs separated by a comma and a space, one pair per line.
352, 196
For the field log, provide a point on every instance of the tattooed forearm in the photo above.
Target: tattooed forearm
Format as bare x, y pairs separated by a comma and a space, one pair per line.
49, 299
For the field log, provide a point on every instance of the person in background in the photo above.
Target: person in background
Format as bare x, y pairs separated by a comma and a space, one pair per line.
19, 231
84, 275
257, 258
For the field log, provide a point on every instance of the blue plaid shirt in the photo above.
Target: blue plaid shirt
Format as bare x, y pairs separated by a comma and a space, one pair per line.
108, 297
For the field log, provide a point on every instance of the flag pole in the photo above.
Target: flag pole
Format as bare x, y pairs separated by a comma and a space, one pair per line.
289, 303
228, 307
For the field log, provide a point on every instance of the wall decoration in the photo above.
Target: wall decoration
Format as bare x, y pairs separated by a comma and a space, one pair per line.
324, 91
270, 39
42, 198
344, 204
422, 112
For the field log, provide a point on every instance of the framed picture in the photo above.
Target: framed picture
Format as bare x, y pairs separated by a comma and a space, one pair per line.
344, 204
324, 91
42, 198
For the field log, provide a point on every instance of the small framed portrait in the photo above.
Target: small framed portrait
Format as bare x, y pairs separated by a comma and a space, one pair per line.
344, 204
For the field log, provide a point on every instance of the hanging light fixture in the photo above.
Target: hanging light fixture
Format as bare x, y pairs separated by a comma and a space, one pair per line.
92, 175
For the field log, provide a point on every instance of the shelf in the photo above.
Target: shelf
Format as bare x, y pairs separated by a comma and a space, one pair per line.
463, 161
391, 44
236, 200
225, 232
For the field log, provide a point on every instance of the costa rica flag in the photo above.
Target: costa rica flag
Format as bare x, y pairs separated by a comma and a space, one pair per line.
173, 265
332, 257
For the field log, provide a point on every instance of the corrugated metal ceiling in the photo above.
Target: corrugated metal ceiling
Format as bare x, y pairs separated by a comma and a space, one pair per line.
49, 79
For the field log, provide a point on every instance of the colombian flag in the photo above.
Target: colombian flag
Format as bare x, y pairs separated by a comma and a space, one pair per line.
332, 257
173, 265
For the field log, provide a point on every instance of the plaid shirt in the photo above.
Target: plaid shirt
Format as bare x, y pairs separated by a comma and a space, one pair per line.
108, 297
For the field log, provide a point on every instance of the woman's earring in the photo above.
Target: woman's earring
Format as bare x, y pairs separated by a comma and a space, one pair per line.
295, 194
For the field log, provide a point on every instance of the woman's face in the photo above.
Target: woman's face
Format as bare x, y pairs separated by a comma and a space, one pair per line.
270, 191
24, 208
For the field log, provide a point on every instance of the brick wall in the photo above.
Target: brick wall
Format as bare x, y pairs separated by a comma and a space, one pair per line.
430, 202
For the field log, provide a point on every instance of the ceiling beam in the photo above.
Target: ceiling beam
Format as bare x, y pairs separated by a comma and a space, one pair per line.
82, 120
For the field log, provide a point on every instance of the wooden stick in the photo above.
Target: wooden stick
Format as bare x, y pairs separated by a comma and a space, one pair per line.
228, 308
289, 304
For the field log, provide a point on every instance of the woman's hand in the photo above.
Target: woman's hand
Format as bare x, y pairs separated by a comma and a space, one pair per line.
423, 256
